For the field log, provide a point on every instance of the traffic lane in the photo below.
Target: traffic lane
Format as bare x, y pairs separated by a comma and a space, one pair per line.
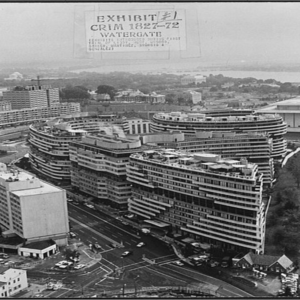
151, 250
92, 218
225, 289
121, 236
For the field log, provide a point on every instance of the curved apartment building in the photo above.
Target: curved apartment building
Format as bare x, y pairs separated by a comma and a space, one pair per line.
190, 123
49, 142
214, 200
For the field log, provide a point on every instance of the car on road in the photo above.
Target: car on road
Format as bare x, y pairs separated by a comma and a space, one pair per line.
124, 223
145, 230
141, 244
97, 246
76, 203
126, 253
80, 266
70, 200
178, 263
72, 235
89, 205
10, 262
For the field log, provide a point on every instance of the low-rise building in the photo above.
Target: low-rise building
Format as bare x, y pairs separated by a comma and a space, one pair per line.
12, 281
269, 263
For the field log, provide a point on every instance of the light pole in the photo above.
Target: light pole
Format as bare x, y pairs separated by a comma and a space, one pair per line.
135, 287
124, 285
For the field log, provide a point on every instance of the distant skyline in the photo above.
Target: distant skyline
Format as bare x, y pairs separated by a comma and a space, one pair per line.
228, 32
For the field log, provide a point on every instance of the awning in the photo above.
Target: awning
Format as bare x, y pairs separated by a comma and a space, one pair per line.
157, 223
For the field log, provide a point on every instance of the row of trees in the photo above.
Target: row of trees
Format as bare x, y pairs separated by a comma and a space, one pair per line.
283, 220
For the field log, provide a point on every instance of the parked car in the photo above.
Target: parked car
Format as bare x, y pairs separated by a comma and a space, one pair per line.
146, 230
70, 200
178, 263
80, 266
213, 264
65, 265
141, 244
126, 253
4, 255
124, 223
61, 263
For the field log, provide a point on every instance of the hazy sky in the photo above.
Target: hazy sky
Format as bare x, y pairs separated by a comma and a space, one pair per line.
228, 32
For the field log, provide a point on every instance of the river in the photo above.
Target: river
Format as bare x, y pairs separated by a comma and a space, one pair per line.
279, 76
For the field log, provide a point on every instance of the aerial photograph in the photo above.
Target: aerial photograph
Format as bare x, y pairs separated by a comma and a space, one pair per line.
150, 150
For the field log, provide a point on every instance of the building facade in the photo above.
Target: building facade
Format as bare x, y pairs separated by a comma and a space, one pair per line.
225, 120
138, 125
98, 167
12, 281
49, 142
210, 199
29, 115
21, 194
255, 147
289, 110
32, 96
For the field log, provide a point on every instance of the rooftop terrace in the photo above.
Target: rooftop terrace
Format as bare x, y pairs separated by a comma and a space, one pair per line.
205, 162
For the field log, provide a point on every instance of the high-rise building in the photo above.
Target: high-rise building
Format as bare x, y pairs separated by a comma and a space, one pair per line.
256, 147
225, 120
98, 167
32, 209
32, 96
49, 142
213, 200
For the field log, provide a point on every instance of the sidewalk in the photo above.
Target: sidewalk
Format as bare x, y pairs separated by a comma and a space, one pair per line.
32, 290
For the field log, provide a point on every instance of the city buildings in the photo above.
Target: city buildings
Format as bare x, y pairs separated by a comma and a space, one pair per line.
186, 80
213, 200
289, 110
32, 96
138, 96
225, 120
98, 167
138, 125
12, 281
49, 142
5, 106
256, 147
29, 115
32, 209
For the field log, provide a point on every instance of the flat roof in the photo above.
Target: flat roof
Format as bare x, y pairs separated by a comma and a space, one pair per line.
43, 189
40, 245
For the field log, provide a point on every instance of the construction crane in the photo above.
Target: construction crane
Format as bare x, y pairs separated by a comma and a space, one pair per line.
38, 80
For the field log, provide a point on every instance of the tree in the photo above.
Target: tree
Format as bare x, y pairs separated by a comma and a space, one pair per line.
294, 167
170, 98
106, 89
75, 92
